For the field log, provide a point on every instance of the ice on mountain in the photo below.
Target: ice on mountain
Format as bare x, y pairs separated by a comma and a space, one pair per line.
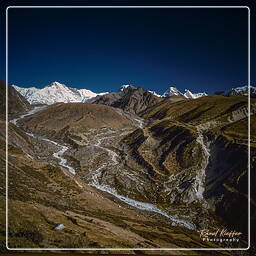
55, 93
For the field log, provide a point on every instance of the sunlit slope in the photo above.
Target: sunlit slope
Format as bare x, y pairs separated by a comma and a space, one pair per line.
198, 149
41, 196
67, 119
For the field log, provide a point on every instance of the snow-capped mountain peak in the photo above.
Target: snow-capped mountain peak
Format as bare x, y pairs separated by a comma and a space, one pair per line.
242, 91
154, 93
127, 87
58, 92
87, 94
26, 92
57, 84
54, 93
172, 91
188, 94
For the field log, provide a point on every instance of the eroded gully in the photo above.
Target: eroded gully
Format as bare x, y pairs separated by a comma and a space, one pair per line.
95, 181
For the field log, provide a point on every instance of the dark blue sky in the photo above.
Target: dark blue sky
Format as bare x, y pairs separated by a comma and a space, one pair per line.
101, 49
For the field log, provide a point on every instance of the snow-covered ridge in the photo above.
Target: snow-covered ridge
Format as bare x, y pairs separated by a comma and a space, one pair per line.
154, 93
242, 91
54, 93
57, 92
173, 91
189, 94
127, 87
130, 87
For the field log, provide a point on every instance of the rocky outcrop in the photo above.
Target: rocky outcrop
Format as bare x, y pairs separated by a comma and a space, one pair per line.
174, 156
130, 99
226, 182
136, 101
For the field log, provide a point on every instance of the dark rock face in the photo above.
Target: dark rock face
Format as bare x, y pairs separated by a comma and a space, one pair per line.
17, 104
130, 99
137, 100
226, 182
106, 99
127, 88
110, 98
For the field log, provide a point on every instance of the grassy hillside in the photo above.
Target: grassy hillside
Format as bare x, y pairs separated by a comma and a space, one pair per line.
42, 196
196, 110
219, 114
62, 120
171, 150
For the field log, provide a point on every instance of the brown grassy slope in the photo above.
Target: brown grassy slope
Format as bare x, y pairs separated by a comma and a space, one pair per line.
16, 102
196, 111
41, 196
74, 118
227, 171
210, 109
238, 131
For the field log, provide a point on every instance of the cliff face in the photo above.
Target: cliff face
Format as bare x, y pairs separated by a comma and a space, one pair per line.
226, 181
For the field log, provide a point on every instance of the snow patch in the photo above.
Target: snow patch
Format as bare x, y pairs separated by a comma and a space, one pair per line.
59, 227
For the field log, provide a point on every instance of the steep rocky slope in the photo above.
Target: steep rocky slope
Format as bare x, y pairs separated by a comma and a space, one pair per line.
17, 104
130, 99
201, 148
136, 101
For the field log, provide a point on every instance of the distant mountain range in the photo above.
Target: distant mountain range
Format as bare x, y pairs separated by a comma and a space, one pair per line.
173, 91
57, 92
54, 93
242, 91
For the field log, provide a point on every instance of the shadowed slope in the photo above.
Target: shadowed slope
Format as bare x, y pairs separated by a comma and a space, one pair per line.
17, 104
134, 100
